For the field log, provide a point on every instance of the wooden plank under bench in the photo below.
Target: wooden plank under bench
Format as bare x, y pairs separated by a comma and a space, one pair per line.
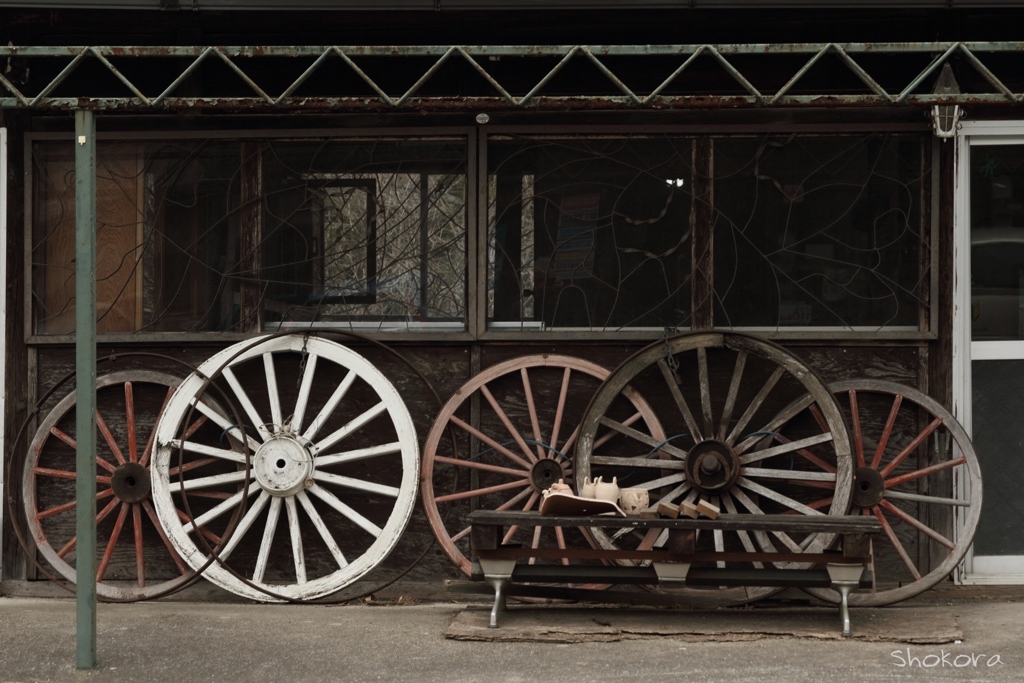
845, 569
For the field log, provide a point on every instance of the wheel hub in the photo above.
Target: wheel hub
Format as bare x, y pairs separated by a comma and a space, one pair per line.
712, 466
544, 473
283, 466
868, 487
130, 482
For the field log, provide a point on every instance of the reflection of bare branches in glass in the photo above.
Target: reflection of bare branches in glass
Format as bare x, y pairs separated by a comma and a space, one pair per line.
820, 231
589, 233
337, 232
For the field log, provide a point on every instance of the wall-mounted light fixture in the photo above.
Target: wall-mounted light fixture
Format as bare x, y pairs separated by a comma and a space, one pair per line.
946, 117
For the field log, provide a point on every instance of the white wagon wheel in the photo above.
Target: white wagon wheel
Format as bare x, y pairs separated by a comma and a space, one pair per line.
326, 437
135, 560
528, 427
911, 456
717, 395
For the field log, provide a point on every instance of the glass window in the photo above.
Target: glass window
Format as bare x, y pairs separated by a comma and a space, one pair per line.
819, 231
209, 235
369, 234
589, 233
997, 242
167, 236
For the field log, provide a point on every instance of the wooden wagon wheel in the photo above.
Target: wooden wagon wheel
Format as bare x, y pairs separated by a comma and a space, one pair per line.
326, 437
135, 559
529, 412
911, 456
718, 396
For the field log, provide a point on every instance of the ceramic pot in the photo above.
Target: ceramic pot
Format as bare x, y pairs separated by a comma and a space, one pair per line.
589, 486
634, 501
607, 490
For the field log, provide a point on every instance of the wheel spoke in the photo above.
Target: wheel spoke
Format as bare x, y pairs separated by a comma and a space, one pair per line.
148, 452
663, 481
526, 508
789, 475
677, 396
916, 497
104, 513
608, 436
140, 561
304, 388
535, 543
643, 438
755, 405
358, 454
298, 557
776, 496
70, 505
896, 543
670, 496
210, 481
352, 426
273, 514
516, 436
704, 384
218, 510
214, 538
858, 436
111, 543
730, 399
924, 472
321, 418
474, 465
748, 544
746, 502
912, 446
917, 524
776, 422
151, 513
532, 408
247, 405
514, 500
353, 516
356, 484
272, 394
109, 438
491, 442
188, 466
71, 442
222, 422
560, 540
473, 493
883, 441
212, 451
129, 410
245, 524
764, 454
321, 527
563, 392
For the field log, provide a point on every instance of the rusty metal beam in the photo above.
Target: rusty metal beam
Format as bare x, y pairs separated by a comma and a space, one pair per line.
743, 92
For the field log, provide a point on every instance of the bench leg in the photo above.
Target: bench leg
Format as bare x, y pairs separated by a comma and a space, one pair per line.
499, 584
845, 589
497, 573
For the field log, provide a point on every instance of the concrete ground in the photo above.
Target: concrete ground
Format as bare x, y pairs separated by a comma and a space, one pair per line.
157, 642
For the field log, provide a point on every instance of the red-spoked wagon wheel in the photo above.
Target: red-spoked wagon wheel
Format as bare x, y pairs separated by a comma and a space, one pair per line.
135, 559
916, 471
516, 429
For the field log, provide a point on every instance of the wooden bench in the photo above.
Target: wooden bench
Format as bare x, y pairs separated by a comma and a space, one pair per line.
844, 569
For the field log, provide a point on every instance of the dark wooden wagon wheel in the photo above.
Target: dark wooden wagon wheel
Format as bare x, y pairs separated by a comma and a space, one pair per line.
523, 440
718, 397
135, 559
917, 473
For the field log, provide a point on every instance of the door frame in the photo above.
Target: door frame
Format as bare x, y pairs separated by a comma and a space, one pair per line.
988, 569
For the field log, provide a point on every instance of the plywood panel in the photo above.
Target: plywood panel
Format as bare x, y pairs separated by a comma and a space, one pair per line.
118, 240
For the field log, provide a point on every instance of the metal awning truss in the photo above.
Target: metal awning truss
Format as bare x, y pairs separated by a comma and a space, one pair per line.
733, 69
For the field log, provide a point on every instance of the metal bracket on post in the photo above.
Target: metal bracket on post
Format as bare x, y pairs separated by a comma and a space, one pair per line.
85, 388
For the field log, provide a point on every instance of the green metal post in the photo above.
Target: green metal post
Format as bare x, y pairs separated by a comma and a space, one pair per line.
85, 387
